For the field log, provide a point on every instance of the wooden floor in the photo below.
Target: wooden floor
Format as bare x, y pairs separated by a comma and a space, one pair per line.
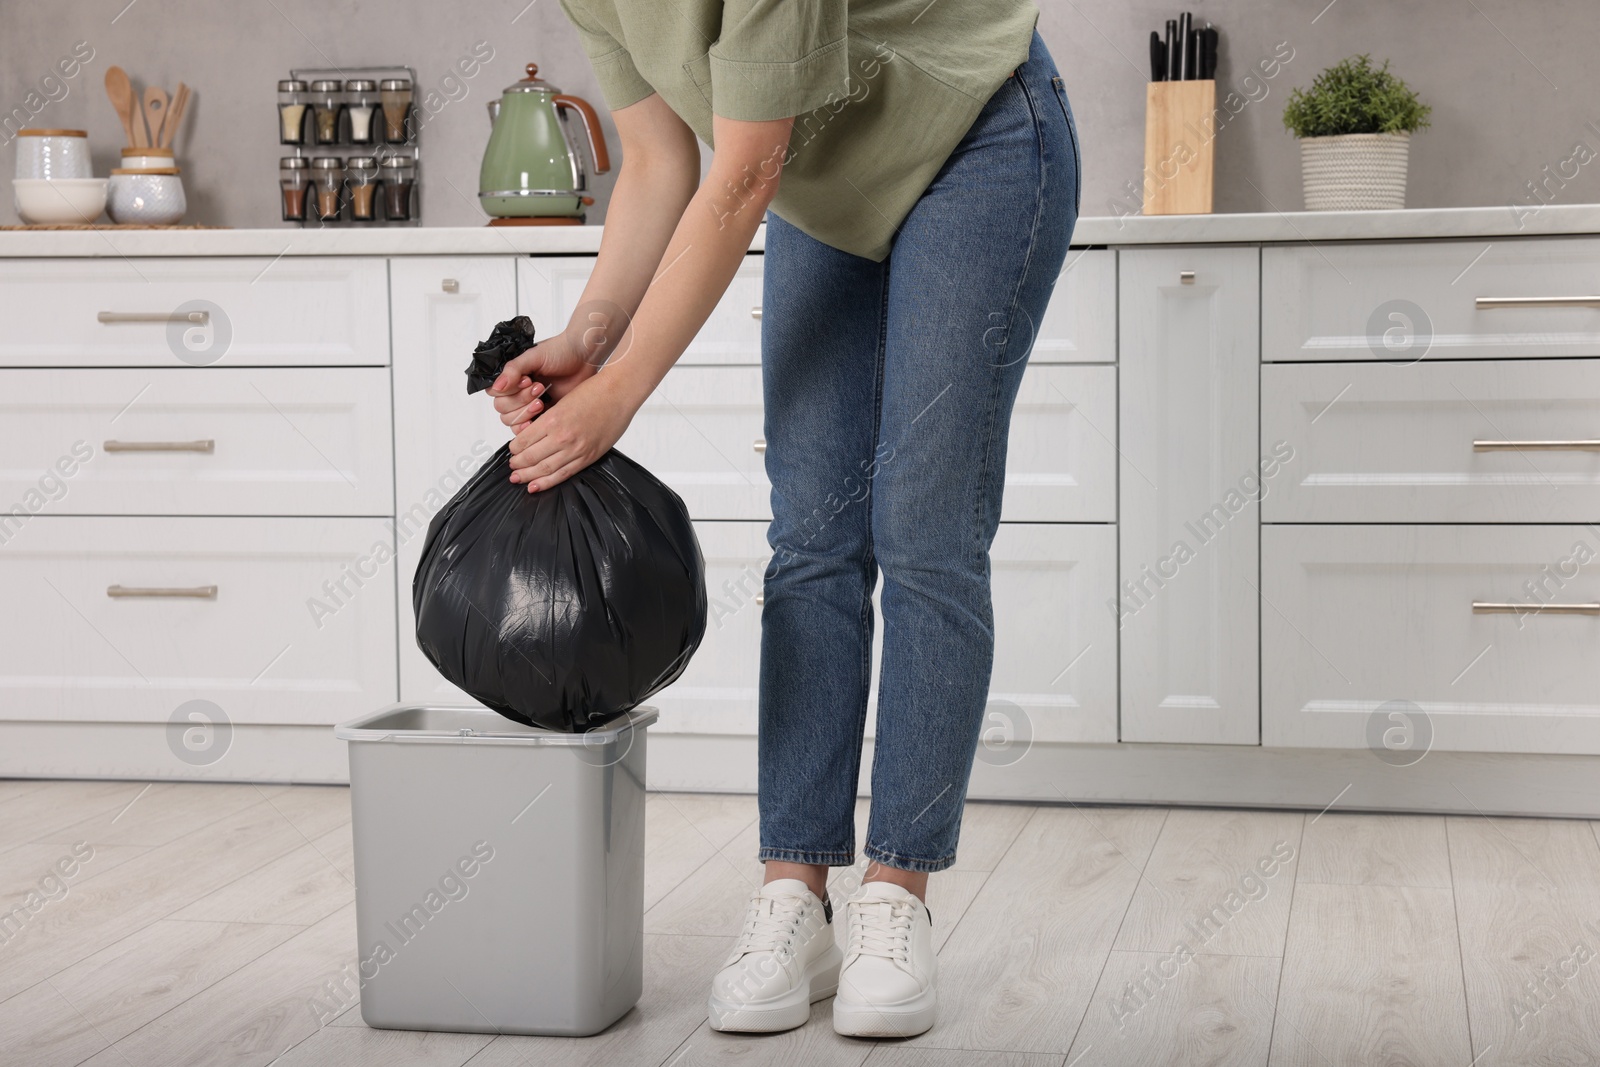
207, 918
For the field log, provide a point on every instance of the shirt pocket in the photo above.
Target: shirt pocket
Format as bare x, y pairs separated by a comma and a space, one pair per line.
699, 72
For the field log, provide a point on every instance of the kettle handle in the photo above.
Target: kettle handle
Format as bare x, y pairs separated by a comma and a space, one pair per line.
591, 123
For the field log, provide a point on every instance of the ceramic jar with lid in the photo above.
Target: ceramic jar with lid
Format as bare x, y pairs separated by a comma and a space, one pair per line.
53, 154
147, 190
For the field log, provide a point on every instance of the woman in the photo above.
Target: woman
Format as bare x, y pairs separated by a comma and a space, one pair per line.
921, 168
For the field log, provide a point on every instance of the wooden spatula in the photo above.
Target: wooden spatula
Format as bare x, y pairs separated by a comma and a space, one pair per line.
155, 111
120, 90
169, 129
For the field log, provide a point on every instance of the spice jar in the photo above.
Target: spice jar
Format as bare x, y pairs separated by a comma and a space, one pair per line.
294, 175
326, 103
362, 106
327, 178
362, 172
399, 187
395, 95
292, 101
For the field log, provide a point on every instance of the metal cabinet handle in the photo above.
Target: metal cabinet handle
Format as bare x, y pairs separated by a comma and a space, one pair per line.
760, 444
1186, 277
1536, 446
193, 592
761, 598
1489, 607
755, 312
1487, 302
198, 317
450, 285
206, 445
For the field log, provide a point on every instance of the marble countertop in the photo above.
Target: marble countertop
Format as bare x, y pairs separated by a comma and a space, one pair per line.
1130, 230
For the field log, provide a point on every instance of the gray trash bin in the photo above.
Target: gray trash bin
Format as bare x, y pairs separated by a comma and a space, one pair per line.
499, 871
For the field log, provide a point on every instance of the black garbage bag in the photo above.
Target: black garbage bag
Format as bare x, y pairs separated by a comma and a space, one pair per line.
566, 607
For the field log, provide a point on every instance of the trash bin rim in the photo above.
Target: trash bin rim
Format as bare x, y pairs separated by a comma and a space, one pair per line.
508, 732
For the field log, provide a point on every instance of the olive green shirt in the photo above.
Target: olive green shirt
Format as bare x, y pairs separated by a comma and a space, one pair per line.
881, 91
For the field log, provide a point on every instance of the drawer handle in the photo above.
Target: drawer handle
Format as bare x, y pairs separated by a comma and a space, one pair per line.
760, 444
761, 598
193, 592
1489, 607
197, 317
450, 285
1536, 446
755, 312
1487, 302
206, 445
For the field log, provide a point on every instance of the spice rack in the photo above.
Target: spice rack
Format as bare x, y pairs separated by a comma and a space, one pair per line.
351, 154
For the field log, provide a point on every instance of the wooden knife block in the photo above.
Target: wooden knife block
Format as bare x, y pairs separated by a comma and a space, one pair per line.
1179, 132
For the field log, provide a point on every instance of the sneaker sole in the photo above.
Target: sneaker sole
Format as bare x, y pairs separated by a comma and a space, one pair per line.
851, 1020
785, 1013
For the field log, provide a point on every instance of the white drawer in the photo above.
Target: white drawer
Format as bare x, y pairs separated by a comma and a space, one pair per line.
701, 433
1442, 299
301, 628
1080, 325
1371, 634
229, 441
289, 311
549, 288
1426, 443
1055, 640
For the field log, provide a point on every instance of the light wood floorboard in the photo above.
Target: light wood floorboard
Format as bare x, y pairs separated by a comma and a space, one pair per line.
1351, 849
1528, 902
1372, 974
213, 925
1218, 881
1162, 1007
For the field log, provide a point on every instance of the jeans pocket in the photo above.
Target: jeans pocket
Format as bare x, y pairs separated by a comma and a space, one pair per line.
1072, 132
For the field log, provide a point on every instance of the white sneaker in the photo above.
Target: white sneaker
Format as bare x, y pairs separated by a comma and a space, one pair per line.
785, 961
886, 983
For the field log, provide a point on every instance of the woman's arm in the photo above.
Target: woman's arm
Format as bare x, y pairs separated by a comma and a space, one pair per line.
679, 288
660, 169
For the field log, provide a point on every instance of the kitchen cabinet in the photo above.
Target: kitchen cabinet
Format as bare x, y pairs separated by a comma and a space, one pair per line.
290, 311
443, 306
1161, 635
1460, 637
1189, 529
126, 619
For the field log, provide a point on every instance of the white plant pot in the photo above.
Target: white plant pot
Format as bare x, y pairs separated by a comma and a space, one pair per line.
1355, 171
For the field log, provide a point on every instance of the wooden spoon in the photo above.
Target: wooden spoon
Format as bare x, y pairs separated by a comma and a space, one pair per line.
120, 90
169, 131
155, 111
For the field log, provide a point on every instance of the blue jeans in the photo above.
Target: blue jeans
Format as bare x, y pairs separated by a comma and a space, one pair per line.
888, 390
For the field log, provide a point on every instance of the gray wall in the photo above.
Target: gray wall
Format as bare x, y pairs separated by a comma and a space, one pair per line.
1514, 88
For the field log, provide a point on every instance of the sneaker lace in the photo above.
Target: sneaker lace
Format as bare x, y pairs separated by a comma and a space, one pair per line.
880, 928
771, 923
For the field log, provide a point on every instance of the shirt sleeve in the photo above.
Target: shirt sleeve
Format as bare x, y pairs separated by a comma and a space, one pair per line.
776, 59
620, 81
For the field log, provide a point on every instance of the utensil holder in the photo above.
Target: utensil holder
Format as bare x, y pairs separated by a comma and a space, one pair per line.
1179, 132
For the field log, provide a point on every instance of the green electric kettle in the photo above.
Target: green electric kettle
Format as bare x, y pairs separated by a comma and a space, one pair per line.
531, 167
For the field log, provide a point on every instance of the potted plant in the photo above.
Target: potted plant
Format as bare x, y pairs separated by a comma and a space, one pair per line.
1355, 125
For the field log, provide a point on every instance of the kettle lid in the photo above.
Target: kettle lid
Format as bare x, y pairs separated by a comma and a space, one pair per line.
532, 83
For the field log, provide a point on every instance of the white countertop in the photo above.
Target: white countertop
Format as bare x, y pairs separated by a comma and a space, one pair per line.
1264, 227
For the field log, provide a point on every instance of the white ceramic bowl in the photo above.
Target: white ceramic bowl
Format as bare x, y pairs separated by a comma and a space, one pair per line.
53, 154
146, 199
59, 200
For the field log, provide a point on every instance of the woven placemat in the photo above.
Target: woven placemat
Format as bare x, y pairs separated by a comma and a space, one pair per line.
108, 226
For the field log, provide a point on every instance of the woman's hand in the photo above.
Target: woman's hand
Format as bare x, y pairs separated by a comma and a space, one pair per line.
543, 373
568, 437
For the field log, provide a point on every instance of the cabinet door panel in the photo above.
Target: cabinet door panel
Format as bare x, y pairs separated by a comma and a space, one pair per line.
115, 312
1189, 525
1079, 325
108, 619
1381, 645
442, 434
551, 286
1401, 301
